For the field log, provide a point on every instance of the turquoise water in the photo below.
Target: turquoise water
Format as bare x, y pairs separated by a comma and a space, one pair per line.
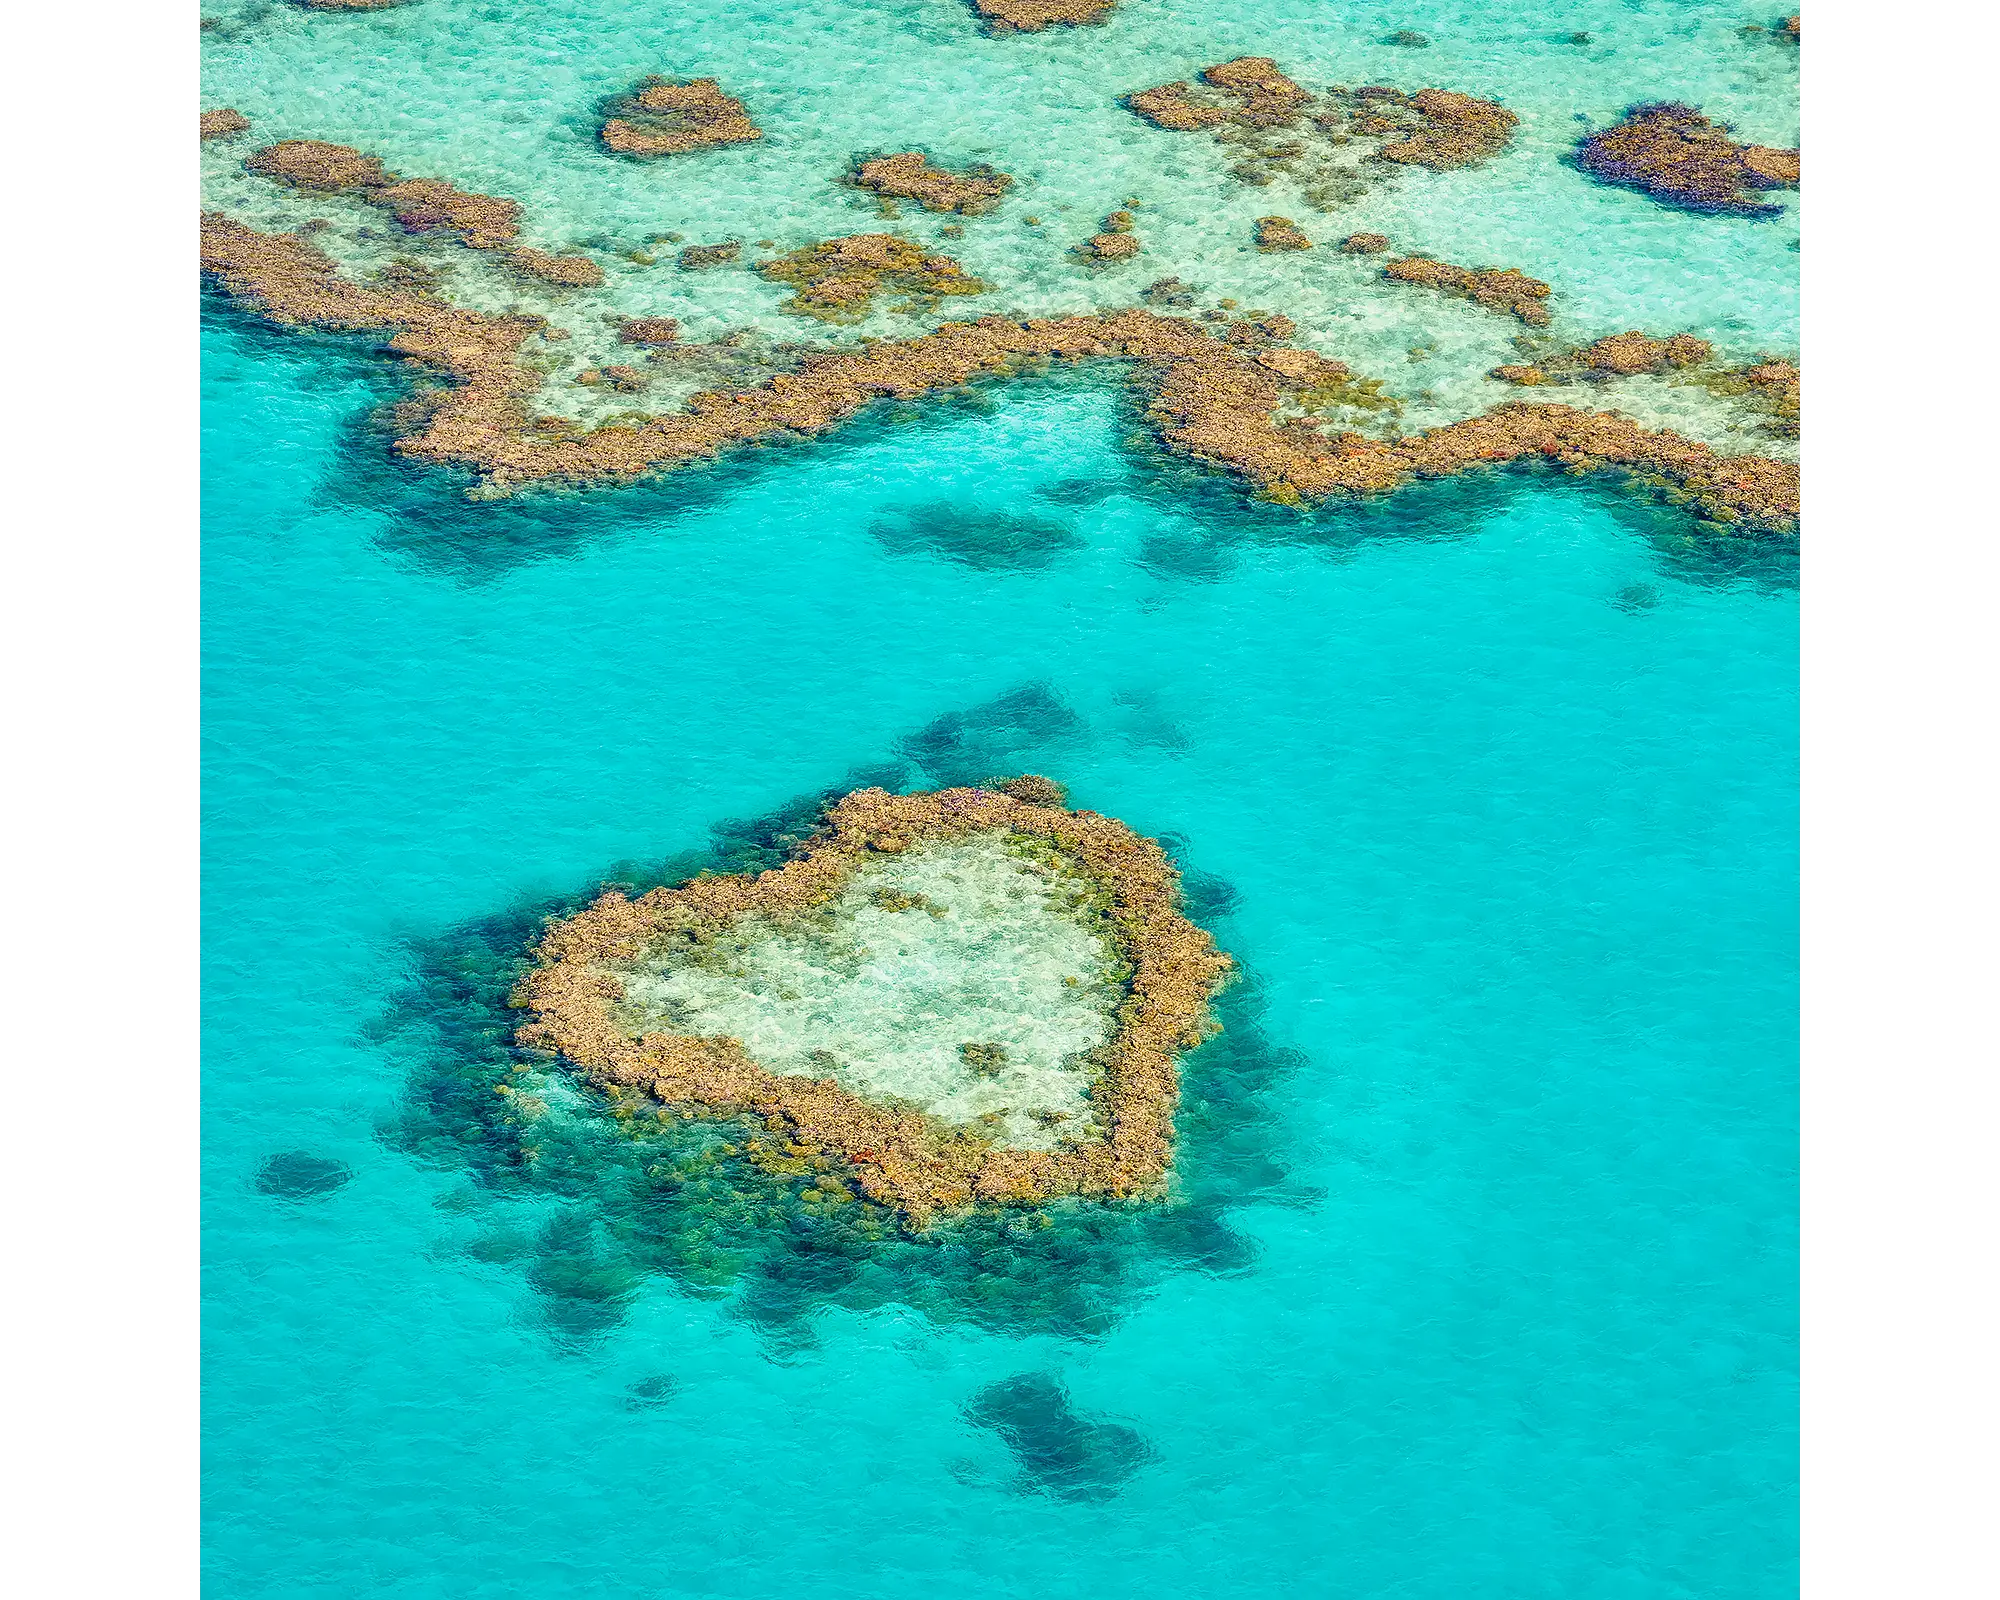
1491, 789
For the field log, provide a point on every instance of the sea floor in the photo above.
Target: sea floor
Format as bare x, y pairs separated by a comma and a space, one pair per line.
1479, 1275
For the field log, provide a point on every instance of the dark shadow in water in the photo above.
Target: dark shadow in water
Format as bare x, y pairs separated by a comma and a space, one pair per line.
654, 1393
997, 738
1209, 516
590, 1201
300, 1175
987, 541
1059, 1453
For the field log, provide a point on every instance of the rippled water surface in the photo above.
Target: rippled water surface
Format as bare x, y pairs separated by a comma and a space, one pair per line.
1482, 1282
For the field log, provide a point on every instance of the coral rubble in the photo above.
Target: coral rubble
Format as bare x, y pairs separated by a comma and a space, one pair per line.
221, 123
909, 176
664, 118
837, 280
1213, 399
1675, 154
1497, 288
1031, 16
903, 1158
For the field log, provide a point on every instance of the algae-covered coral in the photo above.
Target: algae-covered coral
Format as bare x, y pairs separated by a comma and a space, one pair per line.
1082, 904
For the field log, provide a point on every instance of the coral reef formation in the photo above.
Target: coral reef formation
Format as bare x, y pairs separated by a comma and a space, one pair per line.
420, 205
1619, 355
699, 257
1456, 130
349, 5
1276, 128
661, 117
1031, 16
906, 1159
1215, 399
221, 123
1497, 288
1365, 244
1675, 154
910, 176
837, 280
1281, 233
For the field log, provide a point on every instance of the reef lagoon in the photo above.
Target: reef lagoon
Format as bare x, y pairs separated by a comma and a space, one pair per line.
1466, 1261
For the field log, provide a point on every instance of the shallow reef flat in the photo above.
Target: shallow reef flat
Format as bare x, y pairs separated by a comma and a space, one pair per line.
1034, 174
965, 996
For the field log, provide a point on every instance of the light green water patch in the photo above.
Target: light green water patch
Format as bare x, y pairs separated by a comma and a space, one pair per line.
966, 979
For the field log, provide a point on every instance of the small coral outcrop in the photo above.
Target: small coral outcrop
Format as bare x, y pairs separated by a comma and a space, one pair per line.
1281, 233
223, 122
701, 257
649, 330
565, 272
1456, 130
349, 5
910, 176
1679, 157
1365, 244
1031, 16
430, 205
662, 117
837, 280
1629, 353
318, 167
1506, 289
1116, 242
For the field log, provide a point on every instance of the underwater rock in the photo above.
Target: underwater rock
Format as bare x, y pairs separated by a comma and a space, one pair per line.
1496, 288
1169, 106
650, 1394
300, 1175
607, 978
1117, 242
648, 330
910, 176
220, 124
1210, 400
661, 117
837, 279
1031, 16
1408, 39
1525, 376
1280, 233
1059, 1453
1675, 154
1169, 292
1365, 244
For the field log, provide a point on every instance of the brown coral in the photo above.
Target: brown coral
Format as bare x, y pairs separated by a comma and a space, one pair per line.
1498, 289
837, 279
1676, 155
1281, 233
348, 5
1212, 400
565, 272
1630, 353
664, 118
220, 124
697, 257
1031, 16
318, 167
1365, 244
648, 330
901, 1158
910, 176
424, 205
1457, 131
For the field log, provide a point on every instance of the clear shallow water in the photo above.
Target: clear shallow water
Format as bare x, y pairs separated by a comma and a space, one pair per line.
1501, 778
